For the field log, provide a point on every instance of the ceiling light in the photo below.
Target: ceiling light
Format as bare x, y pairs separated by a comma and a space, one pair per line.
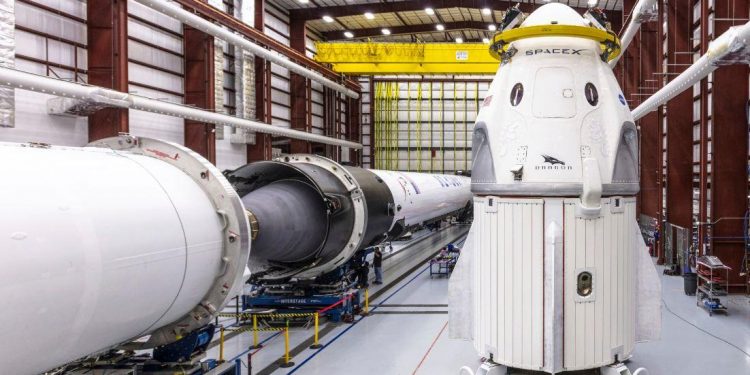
459, 40
486, 11
328, 19
492, 27
369, 16
486, 40
386, 31
440, 27
304, 1
593, 3
348, 34
429, 11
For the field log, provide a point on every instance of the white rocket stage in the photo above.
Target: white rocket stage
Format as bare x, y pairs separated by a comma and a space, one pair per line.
407, 334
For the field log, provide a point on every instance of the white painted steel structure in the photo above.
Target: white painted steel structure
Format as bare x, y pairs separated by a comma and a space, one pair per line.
174, 10
32, 82
101, 246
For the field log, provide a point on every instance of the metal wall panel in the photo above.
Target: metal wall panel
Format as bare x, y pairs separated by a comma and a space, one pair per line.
7, 60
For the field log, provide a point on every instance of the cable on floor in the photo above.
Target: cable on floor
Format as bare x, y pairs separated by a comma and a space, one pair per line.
703, 330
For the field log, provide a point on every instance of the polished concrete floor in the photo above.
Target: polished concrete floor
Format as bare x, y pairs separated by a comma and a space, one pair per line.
407, 334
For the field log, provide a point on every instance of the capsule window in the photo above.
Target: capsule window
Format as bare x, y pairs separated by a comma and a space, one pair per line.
516, 94
585, 280
592, 95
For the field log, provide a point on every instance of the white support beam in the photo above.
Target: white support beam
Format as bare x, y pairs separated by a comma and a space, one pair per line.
32, 82
643, 11
732, 47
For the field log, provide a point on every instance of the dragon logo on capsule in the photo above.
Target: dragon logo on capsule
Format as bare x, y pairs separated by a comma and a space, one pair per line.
553, 163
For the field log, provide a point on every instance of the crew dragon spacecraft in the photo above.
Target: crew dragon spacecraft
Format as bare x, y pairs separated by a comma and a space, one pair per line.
554, 276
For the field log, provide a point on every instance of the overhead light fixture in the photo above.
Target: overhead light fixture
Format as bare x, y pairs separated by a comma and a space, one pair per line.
459, 40
348, 34
486, 40
369, 16
386, 31
429, 11
492, 27
328, 19
304, 1
593, 3
440, 27
486, 11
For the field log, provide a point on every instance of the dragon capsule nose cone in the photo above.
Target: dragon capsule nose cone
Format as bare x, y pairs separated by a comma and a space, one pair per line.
554, 14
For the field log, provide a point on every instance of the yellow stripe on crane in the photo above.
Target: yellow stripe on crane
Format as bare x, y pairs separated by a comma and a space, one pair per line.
406, 58
372, 58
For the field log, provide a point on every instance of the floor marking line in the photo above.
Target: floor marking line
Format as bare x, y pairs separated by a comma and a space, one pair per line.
300, 348
354, 324
411, 305
430, 348
259, 349
416, 312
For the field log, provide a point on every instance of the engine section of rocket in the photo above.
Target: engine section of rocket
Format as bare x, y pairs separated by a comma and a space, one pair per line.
554, 177
311, 214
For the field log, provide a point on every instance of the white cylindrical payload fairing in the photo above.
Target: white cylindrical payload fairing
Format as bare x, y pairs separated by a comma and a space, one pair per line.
103, 245
311, 214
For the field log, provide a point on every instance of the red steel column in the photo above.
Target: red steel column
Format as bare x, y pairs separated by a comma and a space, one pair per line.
657, 81
354, 128
680, 118
199, 90
729, 150
703, 153
261, 150
616, 19
107, 39
651, 167
371, 121
299, 91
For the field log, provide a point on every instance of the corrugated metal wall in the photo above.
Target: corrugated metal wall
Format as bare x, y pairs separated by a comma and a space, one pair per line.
277, 26
51, 41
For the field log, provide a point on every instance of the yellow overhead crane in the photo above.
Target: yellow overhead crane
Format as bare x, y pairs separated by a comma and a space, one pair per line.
372, 58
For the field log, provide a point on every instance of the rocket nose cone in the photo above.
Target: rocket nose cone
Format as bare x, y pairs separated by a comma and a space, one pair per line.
554, 13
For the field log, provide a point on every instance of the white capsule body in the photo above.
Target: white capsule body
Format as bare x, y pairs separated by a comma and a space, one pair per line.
555, 173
